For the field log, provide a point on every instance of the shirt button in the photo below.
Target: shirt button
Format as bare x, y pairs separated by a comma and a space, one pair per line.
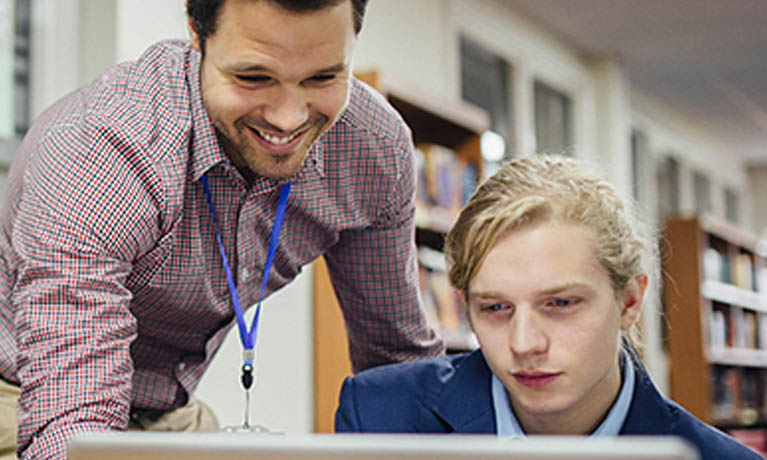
181, 366
244, 275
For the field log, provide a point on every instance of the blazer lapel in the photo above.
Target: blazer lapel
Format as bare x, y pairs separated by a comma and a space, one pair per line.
465, 402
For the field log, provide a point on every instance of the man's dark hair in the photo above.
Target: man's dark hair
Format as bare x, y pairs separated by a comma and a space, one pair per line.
204, 13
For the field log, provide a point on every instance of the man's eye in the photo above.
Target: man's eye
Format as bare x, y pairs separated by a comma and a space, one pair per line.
253, 78
323, 77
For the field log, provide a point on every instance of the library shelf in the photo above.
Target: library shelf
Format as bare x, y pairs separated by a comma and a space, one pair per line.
446, 134
715, 295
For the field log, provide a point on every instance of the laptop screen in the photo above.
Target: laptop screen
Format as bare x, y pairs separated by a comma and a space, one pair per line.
220, 446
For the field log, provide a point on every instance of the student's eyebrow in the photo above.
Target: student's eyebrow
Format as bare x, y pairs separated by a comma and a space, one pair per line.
564, 287
549, 291
485, 295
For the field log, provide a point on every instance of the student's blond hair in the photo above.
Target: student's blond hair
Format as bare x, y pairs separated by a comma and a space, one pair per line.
546, 188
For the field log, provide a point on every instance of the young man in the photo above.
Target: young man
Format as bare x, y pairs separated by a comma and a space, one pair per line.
114, 290
553, 269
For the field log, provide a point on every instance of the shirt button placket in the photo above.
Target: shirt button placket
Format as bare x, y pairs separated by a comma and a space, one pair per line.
244, 275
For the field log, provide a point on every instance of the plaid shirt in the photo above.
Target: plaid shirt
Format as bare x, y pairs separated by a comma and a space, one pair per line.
113, 291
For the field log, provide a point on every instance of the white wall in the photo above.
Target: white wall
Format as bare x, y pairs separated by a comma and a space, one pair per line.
143, 22
696, 150
282, 397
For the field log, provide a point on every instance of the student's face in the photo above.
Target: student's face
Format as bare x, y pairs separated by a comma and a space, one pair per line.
273, 81
548, 322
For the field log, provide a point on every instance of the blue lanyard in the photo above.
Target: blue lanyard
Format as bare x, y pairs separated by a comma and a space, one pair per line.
248, 337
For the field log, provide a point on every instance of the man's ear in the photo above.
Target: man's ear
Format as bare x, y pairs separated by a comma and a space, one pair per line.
632, 300
193, 37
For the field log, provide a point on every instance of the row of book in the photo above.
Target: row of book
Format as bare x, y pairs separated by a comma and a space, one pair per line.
738, 395
444, 179
735, 327
737, 269
443, 305
753, 438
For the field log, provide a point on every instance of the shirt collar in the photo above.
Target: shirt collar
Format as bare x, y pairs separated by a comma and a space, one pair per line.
206, 152
507, 425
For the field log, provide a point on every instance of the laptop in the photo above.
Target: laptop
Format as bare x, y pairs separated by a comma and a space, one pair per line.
241, 446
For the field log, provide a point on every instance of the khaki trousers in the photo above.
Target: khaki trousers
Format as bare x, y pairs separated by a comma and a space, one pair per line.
195, 416
9, 395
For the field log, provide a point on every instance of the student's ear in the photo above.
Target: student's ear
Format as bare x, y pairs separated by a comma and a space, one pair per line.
632, 300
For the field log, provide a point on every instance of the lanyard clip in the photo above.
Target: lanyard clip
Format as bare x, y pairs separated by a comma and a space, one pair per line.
248, 368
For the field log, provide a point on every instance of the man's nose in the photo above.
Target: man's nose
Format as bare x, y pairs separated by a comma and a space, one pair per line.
287, 110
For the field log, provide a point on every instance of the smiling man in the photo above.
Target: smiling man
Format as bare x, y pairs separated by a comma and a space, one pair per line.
139, 211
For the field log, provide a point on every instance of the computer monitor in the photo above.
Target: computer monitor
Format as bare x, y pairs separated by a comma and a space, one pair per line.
221, 446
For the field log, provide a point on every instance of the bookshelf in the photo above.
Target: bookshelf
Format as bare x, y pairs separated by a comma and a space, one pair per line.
447, 136
715, 290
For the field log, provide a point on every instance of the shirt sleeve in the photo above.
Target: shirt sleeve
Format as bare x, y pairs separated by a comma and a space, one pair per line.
375, 276
82, 218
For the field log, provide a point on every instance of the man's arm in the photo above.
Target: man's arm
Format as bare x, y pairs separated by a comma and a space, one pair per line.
375, 276
80, 223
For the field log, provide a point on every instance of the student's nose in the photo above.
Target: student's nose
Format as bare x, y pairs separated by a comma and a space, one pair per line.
288, 109
527, 336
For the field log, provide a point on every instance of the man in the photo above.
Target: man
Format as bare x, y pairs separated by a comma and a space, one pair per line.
552, 266
114, 288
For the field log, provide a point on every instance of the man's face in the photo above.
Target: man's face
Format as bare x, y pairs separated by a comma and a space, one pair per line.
273, 81
547, 319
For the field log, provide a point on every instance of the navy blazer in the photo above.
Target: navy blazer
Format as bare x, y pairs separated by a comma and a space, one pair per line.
452, 395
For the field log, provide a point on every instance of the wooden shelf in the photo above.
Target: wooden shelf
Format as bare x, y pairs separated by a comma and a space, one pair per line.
727, 231
437, 119
707, 377
734, 295
740, 357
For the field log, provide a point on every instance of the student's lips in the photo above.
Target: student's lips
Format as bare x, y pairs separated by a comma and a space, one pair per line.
536, 379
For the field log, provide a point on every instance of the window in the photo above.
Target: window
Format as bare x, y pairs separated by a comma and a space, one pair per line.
731, 205
14, 74
668, 188
638, 164
553, 120
485, 83
702, 187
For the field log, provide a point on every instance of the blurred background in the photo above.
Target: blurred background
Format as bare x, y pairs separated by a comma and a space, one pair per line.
667, 97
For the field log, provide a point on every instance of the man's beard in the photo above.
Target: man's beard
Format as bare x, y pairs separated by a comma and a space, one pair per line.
252, 162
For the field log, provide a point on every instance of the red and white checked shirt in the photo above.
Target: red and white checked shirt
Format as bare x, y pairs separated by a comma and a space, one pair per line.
113, 291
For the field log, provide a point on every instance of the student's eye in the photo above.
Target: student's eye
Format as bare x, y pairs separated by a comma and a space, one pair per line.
562, 303
496, 307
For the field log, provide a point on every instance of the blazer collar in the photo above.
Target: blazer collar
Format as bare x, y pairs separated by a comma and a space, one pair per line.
649, 413
465, 402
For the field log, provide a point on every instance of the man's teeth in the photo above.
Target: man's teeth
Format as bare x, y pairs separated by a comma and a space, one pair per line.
276, 139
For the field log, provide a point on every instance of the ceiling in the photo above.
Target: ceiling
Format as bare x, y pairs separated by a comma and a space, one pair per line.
705, 58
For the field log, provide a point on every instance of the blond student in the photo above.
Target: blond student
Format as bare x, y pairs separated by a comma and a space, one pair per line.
553, 270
